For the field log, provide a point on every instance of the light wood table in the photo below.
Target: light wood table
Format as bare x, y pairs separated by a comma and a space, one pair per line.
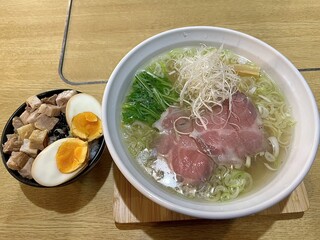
101, 33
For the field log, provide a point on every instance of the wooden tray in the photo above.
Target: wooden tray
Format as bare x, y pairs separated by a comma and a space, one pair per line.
130, 206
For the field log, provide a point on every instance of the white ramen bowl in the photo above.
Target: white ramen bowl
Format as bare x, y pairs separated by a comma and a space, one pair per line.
298, 94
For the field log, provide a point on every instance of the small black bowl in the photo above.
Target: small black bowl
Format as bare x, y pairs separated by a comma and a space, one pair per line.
8, 129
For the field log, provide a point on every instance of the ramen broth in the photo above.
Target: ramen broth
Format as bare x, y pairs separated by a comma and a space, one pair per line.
206, 123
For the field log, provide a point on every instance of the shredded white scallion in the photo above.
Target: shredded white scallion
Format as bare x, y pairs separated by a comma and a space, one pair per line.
204, 80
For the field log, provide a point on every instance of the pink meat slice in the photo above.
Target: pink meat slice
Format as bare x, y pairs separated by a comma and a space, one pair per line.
182, 153
174, 117
231, 135
188, 162
185, 158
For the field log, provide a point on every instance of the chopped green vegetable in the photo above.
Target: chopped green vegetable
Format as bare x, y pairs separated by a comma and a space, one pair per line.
273, 109
150, 96
225, 184
138, 137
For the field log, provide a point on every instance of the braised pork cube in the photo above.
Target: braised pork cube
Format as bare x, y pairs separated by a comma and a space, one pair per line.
39, 139
46, 123
33, 102
16, 123
13, 143
26, 170
33, 116
25, 131
17, 160
24, 116
9, 136
50, 100
64, 97
26, 148
49, 110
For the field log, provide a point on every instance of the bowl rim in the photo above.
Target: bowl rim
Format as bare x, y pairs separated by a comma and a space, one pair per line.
31, 182
192, 212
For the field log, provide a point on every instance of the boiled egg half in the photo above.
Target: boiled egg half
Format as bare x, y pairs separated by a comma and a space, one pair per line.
83, 115
60, 161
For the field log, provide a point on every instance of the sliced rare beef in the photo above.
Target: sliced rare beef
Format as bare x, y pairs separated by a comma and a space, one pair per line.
232, 132
180, 150
174, 118
188, 162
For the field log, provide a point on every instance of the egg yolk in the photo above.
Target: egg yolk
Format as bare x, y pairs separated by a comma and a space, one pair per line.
86, 126
71, 155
